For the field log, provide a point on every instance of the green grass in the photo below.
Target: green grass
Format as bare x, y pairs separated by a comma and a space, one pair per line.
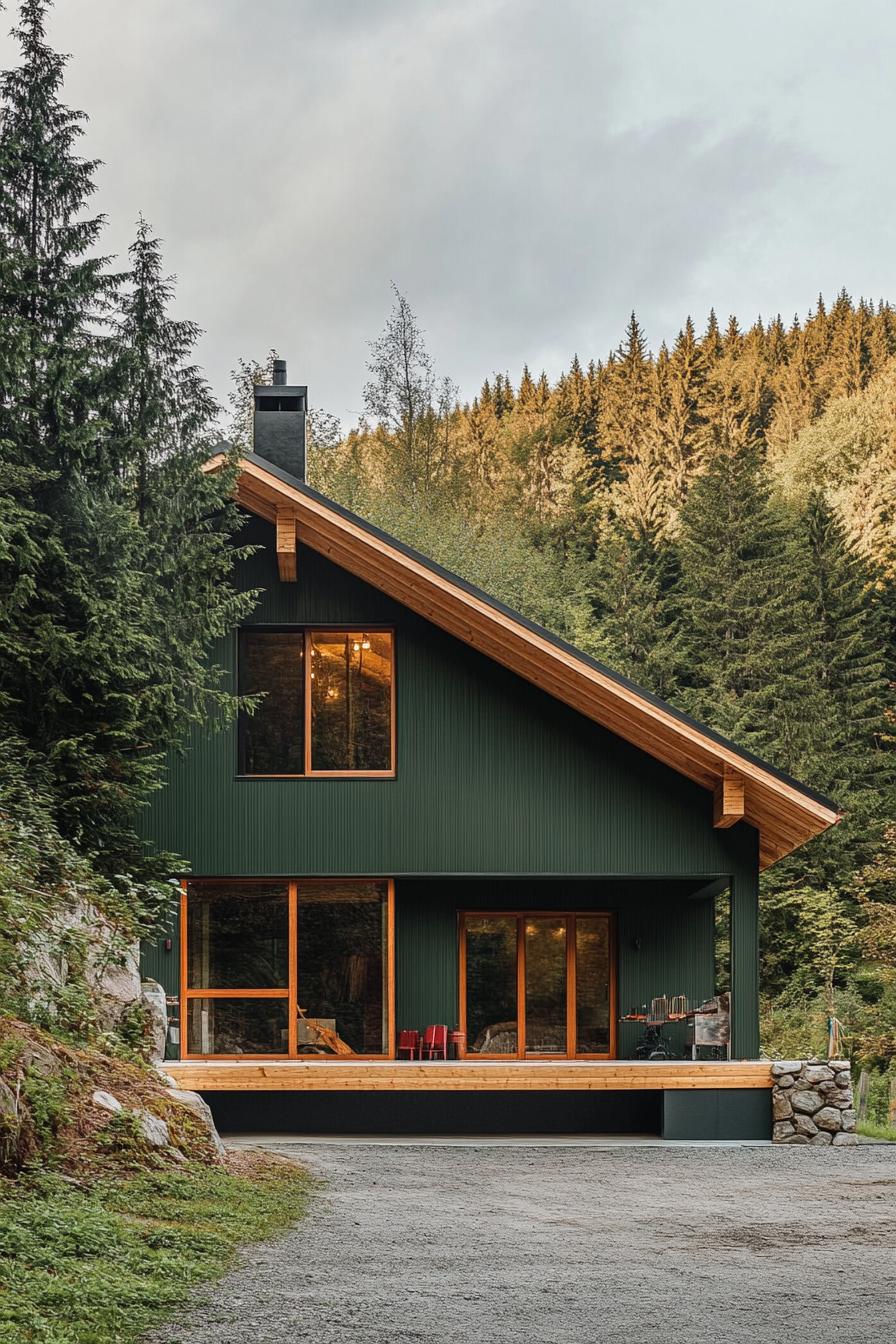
100, 1265
875, 1131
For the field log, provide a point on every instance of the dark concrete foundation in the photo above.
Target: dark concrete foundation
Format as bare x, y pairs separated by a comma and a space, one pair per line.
437, 1112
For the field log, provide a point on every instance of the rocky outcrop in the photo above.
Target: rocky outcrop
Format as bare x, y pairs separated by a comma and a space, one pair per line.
79, 944
152, 1128
202, 1111
812, 1103
152, 997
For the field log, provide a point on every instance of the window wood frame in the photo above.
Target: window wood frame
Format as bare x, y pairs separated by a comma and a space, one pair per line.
571, 916
290, 993
308, 632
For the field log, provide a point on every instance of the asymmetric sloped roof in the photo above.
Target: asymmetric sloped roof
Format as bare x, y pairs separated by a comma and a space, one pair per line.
785, 812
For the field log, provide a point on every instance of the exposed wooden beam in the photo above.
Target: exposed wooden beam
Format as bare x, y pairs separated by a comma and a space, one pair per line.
728, 800
470, 1075
286, 545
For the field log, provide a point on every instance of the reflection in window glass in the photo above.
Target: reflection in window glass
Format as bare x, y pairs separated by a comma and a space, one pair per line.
237, 1026
343, 968
237, 936
546, 985
592, 985
351, 701
271, 740
491, 984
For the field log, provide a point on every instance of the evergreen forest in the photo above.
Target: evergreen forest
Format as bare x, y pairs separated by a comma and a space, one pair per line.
713, 518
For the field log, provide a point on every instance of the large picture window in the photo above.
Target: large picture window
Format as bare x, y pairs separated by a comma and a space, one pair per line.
327, 703
287, 969
537, 985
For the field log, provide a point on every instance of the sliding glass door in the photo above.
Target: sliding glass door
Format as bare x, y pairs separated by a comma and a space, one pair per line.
537, 985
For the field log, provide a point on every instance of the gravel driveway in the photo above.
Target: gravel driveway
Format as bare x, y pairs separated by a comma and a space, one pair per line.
570, 1245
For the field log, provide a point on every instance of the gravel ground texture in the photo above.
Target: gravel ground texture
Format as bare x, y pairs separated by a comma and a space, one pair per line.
570, 1245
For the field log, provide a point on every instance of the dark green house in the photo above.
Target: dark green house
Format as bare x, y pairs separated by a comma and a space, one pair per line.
442, 816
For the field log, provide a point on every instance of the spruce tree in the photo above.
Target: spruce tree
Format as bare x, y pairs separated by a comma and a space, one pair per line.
853, 763
106, 612
634, 630
55, 291
745, 618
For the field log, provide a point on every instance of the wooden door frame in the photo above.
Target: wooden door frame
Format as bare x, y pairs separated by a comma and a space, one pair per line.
571, 971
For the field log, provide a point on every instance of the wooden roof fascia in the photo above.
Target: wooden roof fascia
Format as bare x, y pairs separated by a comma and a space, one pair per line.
782, 812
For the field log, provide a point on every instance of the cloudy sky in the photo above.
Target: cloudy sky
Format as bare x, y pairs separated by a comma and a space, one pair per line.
526, 171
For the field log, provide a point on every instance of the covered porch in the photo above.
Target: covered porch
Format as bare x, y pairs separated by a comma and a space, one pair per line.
542, 983
560, 969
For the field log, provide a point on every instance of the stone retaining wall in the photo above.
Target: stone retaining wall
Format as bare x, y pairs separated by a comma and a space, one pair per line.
812, 1102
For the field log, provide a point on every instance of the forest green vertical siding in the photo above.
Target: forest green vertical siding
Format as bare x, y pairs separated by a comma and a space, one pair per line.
745, 961
161, 963
494, 778
493, 775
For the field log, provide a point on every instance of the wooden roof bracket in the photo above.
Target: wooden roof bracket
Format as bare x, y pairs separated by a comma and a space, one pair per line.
728, 799
286, 544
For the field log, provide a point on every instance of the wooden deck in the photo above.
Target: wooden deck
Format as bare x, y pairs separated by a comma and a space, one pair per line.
467, 1076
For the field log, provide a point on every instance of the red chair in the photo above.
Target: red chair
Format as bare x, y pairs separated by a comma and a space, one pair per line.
409, 1044
435, 1043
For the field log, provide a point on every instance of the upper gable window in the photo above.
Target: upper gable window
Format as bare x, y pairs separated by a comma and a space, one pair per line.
328, 706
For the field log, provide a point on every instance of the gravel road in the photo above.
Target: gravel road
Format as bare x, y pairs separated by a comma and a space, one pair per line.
570, 1245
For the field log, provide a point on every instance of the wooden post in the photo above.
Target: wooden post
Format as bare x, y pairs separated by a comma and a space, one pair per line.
862, 1096
892, 1107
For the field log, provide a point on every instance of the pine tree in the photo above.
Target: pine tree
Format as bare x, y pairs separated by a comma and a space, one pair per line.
681, 422
745, 619
809, 889
629, 406
634, 630
504, 395
167, 403
851, 659
711, 344
526, 395
55, 291
107, 611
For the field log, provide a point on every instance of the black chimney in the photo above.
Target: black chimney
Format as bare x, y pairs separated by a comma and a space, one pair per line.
279, 423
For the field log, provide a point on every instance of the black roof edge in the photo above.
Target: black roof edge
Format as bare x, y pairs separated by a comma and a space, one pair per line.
533, 626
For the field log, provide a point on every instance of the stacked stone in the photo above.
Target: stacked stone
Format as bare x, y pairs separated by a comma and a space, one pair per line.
812, 1102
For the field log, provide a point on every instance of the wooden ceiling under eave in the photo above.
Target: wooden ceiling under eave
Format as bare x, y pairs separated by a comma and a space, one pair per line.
785, 815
